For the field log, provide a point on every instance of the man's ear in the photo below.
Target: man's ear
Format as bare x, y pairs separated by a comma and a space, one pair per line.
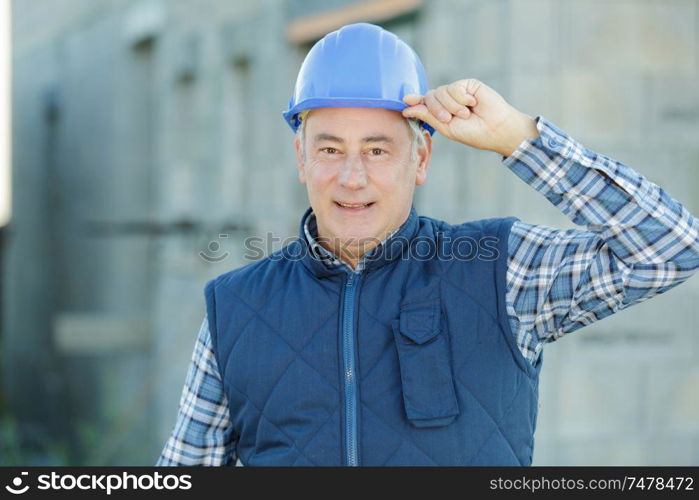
299, 161
423, 155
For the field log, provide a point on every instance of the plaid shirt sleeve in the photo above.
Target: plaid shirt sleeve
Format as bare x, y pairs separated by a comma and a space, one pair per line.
203, 434
638, 242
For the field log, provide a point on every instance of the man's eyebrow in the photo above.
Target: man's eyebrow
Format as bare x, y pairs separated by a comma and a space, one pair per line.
371, 138
327, 137
377, 138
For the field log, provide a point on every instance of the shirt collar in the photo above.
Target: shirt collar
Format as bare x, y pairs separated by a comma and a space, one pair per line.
332, 261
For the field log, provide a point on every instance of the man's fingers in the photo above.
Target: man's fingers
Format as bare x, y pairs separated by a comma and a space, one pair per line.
444, 102
448, 101
421, 113
412, 99
464, 113
461, 94
436, 108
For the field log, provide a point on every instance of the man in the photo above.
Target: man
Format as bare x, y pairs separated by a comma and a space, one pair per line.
381, 337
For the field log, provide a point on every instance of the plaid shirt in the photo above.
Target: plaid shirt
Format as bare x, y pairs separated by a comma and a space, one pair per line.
638, 242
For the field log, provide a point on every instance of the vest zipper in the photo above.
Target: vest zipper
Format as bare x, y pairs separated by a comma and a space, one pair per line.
350, 376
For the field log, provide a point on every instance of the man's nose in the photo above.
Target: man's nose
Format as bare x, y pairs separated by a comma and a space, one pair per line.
353, 173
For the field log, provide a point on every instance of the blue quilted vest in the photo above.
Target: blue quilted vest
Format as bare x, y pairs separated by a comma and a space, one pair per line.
409, 362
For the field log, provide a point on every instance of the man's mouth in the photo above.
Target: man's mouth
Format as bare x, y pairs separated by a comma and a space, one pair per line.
355, 206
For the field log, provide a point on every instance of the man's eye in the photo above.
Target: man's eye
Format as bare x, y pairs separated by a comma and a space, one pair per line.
377, 151
329, 150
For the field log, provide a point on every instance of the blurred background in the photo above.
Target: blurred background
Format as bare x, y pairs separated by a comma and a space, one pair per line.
146, 142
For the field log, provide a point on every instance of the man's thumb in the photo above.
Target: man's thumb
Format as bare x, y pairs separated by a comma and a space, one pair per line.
421, 112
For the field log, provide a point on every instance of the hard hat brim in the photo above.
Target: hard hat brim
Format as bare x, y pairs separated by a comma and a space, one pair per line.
291, 115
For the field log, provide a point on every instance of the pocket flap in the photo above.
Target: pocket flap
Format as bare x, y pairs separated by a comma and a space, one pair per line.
429, 395
420, 321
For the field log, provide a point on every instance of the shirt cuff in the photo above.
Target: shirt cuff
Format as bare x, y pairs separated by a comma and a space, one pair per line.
550, 137
545, 160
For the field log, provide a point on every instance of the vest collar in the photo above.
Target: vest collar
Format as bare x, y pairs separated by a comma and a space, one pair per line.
392, 248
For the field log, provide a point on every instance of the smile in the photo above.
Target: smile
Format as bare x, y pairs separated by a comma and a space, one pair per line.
353, 207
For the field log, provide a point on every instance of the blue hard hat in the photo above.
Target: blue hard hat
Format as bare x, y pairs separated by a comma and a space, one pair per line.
358, 66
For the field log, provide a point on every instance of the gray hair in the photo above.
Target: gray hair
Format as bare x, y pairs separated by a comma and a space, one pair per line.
416, 131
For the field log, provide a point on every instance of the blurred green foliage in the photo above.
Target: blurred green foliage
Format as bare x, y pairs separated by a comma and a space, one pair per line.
13, 452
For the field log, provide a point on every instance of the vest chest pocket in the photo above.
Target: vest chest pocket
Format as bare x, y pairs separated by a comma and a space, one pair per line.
425, 365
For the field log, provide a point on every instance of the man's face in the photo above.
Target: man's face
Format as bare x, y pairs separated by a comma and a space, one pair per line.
360, 158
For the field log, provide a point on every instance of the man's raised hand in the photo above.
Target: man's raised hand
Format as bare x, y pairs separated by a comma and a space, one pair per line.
470, 112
